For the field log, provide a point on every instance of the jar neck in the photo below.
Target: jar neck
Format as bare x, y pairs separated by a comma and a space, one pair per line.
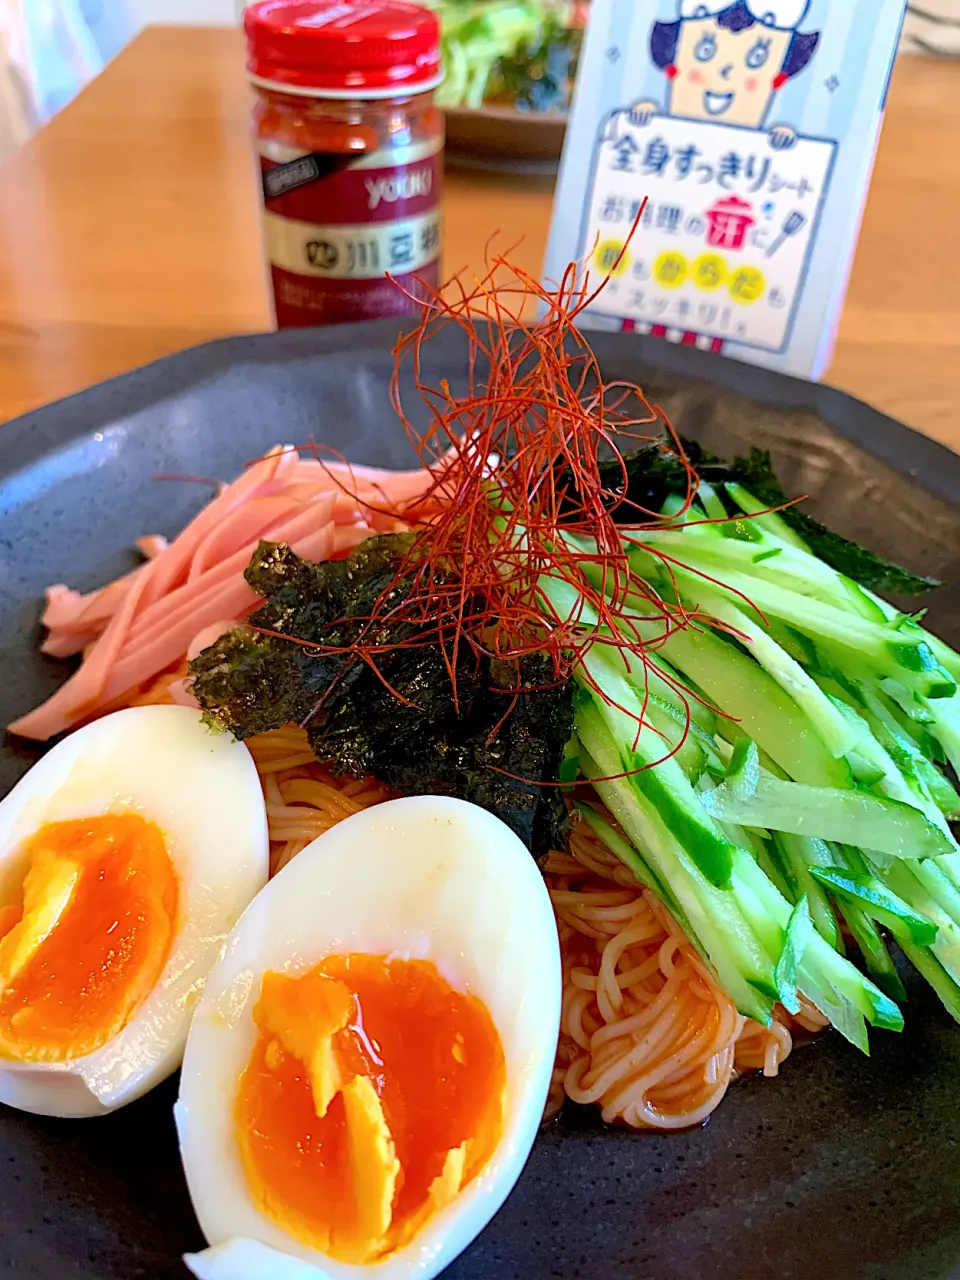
316, 100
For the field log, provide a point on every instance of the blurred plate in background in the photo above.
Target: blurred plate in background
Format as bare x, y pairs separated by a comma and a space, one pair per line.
505, 139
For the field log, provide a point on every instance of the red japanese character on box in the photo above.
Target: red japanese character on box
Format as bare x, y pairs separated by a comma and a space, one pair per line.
728, 223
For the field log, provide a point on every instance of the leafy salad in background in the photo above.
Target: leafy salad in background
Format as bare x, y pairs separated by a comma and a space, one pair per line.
517, 52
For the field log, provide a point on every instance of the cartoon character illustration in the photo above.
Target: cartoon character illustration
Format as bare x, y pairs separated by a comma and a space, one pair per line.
725, 61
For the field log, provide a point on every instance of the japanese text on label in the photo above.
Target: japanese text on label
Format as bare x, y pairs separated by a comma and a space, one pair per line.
724, 240
360, 252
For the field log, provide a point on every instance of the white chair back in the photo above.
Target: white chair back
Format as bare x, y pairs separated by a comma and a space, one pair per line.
933, 26
18, 116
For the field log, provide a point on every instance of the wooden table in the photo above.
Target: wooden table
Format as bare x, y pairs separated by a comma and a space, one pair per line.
129, 229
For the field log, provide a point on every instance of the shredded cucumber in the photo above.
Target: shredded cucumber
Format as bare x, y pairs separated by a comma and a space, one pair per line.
807, 792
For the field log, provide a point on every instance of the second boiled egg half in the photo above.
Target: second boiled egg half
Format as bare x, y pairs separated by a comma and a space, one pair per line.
367, 1069
127, 854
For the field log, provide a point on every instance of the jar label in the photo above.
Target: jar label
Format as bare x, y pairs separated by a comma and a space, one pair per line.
334, 225
357, 252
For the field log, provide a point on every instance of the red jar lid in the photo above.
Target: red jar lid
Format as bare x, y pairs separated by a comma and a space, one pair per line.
343, 48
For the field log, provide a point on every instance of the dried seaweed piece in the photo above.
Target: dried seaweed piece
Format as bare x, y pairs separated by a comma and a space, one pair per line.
392, 715
655, 472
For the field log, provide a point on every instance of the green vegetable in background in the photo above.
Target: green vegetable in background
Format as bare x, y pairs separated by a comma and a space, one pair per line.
518, 51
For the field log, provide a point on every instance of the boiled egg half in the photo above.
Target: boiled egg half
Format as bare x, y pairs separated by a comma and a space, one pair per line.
127, 854
368, 1066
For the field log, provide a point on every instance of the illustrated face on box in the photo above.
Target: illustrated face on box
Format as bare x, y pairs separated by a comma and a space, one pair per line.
725, 61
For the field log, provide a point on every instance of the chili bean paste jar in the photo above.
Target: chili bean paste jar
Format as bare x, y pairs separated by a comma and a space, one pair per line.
351, 154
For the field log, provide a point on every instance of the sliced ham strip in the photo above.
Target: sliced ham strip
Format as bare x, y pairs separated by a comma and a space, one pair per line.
298, 526
164, 630
245, 526
69, 611
232, 598
209, 635
348, 536
144, 625
153, 545
88, 615
172, 567
86, 684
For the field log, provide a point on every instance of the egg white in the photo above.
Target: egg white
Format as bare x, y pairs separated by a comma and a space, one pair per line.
202, 790
424, 877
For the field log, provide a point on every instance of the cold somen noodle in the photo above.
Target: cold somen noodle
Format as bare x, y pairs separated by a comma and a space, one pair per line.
303, 798
646, 1033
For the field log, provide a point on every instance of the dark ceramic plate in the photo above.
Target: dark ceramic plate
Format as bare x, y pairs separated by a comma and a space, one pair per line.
844, 1167
505, 140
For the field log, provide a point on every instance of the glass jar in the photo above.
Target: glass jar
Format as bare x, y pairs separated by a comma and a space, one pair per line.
351, 155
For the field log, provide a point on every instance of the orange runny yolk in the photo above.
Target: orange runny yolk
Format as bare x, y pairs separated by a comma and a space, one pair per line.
89, 938
373, 1095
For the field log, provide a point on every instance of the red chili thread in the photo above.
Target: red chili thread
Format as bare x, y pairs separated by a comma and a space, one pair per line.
495, 520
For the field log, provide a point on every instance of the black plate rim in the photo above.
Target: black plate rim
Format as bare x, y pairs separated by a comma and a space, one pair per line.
25, 438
